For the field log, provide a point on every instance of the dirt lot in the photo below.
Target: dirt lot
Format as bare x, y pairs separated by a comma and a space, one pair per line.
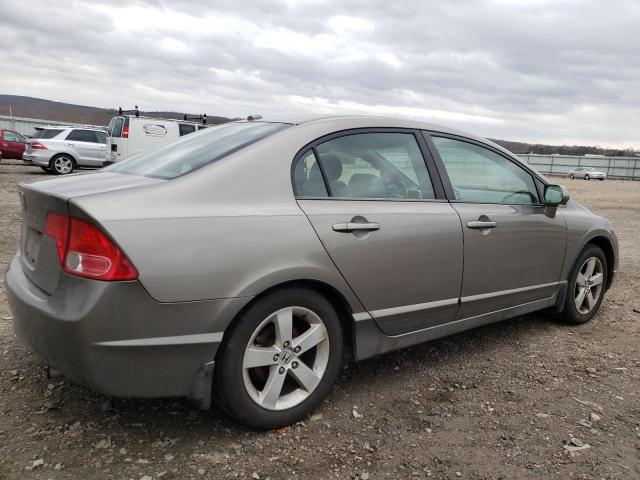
498, 402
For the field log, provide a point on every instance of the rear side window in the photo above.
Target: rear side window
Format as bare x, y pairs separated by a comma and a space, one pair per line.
115, 127
308, 180
186, 128
367, 165
195, 151
90, 136
46, 133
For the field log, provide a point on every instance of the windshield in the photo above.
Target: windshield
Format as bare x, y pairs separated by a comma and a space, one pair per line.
196, 150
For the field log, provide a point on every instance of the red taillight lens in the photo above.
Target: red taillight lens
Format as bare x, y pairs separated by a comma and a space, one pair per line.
57, 227
38, 146
84, 250
125, 131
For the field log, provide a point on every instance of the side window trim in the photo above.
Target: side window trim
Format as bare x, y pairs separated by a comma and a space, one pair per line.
444, 176
427, 157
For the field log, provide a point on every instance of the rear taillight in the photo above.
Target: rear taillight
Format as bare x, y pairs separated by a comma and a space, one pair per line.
84, 250
38, 146
125, 131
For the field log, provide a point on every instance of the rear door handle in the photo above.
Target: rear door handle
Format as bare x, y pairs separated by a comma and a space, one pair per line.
476, 224
349, 227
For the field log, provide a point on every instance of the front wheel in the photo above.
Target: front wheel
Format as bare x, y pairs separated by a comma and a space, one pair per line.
279, 359
586, 286
586, 177
572, 176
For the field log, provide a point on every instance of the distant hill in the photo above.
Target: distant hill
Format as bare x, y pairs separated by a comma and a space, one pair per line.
580, 150
65, 112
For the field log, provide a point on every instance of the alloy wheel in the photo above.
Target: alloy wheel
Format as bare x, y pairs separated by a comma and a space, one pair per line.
285, 358
589, 282
63, 165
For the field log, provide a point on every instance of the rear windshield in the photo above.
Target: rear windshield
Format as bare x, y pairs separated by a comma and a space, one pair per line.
196, 150
47, 133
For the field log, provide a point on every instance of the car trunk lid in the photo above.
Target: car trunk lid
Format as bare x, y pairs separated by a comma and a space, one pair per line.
38, 251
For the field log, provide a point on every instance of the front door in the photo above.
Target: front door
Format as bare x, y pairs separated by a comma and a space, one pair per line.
398, 244
14, 144
513, 248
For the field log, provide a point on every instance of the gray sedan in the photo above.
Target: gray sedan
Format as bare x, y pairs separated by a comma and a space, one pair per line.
245, 263
587, 173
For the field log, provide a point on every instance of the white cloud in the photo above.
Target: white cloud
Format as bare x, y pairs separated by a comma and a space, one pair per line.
535, 70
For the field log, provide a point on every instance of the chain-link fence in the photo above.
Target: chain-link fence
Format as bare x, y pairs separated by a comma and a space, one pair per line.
614, 167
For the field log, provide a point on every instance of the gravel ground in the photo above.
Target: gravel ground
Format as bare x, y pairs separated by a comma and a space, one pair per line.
502, 401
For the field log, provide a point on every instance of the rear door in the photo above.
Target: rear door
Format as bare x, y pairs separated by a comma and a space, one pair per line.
513, 248
117, 142
380, 213
87, 146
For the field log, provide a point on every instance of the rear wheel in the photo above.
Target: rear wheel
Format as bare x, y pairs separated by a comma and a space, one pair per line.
586, 177
586, 286
572, 176
62, 165
279, 359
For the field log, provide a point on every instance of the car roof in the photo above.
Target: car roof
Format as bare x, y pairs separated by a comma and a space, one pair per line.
374, 121
72, 127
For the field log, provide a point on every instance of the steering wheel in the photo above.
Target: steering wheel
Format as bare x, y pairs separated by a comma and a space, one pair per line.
532, 197
396, 189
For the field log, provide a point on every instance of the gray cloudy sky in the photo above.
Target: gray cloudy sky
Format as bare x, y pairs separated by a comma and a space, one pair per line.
554, 71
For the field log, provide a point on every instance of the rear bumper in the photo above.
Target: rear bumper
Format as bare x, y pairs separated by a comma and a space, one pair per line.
115, 338
37, 158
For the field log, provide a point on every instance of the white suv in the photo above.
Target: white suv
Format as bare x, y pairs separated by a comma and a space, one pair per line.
61, 150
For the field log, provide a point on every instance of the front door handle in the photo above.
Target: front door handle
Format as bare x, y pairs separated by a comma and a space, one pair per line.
477, 224
349, 227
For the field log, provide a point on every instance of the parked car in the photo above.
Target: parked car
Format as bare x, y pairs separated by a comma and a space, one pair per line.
61, 150
11, 144
587, 173
131, 134
247, 262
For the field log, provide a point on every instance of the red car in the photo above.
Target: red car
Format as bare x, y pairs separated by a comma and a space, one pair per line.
11, 144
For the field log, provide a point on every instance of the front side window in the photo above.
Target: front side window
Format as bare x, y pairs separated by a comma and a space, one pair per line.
194, 151
479, 175
12, 137
369, 165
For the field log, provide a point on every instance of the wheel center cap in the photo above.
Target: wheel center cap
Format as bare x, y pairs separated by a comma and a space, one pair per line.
285, 357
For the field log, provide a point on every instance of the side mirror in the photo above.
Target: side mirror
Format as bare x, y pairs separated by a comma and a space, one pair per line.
555, 195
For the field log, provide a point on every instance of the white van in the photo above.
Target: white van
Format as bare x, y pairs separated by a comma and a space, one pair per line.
132, 134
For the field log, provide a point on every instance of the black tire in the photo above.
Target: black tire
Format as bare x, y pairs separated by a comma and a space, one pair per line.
229, 390
601, 179
572, 176
570, 313
55, 164
586, 177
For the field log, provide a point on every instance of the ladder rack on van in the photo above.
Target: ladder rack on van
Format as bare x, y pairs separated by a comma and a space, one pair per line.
202, 118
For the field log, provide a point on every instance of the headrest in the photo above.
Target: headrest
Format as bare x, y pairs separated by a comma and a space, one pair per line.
366, 185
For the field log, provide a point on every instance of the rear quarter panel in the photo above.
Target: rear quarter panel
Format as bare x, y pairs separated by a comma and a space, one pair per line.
230, 229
